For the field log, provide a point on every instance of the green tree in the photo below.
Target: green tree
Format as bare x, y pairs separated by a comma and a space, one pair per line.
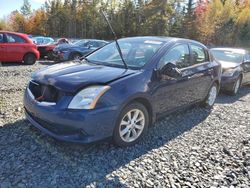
26, 8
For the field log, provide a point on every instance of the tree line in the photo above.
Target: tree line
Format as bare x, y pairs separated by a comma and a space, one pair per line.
213, 22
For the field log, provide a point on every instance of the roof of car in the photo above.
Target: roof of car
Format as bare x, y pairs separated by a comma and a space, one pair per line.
165, 39
235, 50
16, 33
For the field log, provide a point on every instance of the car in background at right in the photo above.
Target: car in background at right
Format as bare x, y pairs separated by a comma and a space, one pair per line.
76, 50
235, 68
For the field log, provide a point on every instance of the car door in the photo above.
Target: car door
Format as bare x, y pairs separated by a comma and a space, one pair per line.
171, 93
16, 47
200, 72
3, 46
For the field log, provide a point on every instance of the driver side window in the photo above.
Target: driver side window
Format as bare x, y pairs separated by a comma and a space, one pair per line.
178, 55
1, 38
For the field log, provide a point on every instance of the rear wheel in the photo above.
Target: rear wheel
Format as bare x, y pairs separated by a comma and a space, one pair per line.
211, 97
29, 59
236, 86
131, 125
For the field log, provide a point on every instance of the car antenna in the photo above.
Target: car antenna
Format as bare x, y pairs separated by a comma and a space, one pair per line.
117, 45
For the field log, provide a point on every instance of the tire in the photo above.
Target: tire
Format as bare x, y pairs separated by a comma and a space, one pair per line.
236, 86
128, 134
29, 59
50, 55
75, 56
211, 96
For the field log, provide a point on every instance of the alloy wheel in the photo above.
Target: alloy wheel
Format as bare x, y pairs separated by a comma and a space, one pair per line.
212, 95
132, 125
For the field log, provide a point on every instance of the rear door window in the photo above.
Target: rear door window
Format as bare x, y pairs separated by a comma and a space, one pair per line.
11, 38
199, 54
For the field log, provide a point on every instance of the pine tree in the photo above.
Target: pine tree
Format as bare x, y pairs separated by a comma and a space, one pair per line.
26, 8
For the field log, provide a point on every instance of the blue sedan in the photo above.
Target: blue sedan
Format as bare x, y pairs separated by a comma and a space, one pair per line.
118, 94
76, 50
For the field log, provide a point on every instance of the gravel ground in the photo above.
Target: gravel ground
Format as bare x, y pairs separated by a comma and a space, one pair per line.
192, 148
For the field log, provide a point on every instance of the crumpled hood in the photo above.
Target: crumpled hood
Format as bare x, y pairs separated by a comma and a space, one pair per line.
73, 76
228, 64
66, 46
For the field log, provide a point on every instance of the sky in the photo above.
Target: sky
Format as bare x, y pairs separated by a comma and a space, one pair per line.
7, 6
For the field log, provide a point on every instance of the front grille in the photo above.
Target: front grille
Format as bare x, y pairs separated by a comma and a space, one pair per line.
44, 93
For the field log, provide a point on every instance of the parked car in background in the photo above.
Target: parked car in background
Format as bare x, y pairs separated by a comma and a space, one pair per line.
46, 50
235, 68
111, 96
42, 40
77, 49
17, 47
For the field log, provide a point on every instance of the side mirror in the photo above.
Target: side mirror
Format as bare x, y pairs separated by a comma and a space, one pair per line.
171, 70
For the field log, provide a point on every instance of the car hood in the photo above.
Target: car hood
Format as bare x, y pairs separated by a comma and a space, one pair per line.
66, 46
47, 45
228, 64
73, 76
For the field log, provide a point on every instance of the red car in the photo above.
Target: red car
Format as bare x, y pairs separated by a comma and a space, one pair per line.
46, 50
17, 47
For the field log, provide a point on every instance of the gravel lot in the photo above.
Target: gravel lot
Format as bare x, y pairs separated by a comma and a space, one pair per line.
192, 148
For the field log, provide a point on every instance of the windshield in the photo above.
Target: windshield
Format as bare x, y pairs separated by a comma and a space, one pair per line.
136, 53
80, 42
227, 56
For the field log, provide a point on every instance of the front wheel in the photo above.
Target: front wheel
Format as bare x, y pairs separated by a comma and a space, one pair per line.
75, 56
131, 125
236, 87
211, 97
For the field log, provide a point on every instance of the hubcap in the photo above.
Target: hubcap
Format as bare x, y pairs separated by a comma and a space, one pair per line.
237, 86
132, 125
212, 95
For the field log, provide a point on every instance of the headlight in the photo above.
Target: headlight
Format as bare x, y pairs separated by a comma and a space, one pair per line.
88, 97
230, 72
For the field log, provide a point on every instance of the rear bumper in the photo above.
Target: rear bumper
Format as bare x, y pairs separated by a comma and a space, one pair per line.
82, 126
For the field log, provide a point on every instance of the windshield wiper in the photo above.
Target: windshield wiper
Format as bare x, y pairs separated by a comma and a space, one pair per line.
117, 44
84, 58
